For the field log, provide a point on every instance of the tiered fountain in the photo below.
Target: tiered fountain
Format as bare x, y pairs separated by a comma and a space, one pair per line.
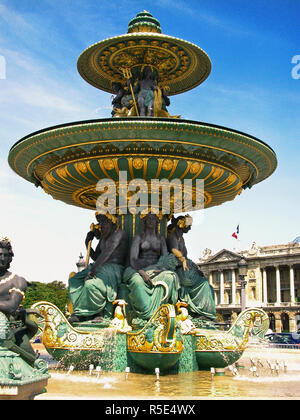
144, 141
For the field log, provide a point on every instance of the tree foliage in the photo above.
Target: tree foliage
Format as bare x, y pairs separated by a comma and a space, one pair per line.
55, 292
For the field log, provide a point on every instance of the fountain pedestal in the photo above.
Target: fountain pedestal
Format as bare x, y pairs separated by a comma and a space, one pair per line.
18, 379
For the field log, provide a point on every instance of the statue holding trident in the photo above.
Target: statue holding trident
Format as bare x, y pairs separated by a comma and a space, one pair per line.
128, 76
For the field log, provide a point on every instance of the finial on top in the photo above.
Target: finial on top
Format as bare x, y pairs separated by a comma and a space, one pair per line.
144, 22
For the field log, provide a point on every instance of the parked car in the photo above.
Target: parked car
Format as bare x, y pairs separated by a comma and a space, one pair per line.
284, 339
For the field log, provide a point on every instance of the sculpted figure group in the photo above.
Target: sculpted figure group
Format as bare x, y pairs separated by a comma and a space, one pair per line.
141, 96
155, 271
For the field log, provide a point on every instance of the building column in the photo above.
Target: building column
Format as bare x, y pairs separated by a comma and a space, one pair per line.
292, 323
265, 286
278, 297
222, 287
292, 284
233, 287
210, 278
278, 323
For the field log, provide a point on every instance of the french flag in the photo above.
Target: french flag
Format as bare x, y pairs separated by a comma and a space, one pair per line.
237, 231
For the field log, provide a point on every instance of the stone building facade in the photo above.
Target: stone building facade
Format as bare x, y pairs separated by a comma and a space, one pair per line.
273, 283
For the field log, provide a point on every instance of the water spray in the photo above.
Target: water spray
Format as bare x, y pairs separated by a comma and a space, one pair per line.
71, 368
127, 371
98, 370
233, 370
212, 372
157, 374
260, 363
253, 369
277, 367
91, 368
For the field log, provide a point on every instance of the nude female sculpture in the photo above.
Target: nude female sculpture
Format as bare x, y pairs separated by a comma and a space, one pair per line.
150, 279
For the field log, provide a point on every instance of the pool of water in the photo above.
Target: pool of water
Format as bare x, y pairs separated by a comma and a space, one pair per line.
280, 383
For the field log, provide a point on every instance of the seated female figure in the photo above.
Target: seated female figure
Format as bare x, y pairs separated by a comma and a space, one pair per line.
151, 280
93, 290
195, 289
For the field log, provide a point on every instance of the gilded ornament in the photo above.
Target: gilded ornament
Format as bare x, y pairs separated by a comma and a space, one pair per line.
218, 172
195, 167
231, 179
49, 178
59, 333
81, 167
108, 164
161, 334
61, 172
137, 163
168, 164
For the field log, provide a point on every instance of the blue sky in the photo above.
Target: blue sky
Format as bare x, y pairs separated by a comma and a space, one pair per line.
251, 45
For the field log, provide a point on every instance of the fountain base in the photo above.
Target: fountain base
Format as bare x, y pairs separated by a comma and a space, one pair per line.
162, 343
19, 380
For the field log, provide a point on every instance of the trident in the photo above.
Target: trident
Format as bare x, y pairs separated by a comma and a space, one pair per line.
127, 74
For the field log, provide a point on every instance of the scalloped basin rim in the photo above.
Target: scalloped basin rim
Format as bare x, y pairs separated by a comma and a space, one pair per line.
138, 119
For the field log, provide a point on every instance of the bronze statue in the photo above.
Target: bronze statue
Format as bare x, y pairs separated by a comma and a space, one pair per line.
93, 290
195, 289
145, 92
151, 280
12, 293
117, 100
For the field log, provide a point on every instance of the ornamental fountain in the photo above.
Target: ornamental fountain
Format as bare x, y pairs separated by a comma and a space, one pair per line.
142, 140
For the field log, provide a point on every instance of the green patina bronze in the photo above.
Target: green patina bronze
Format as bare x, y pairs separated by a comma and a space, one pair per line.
146, 313
162, 342
18, 378
54, 158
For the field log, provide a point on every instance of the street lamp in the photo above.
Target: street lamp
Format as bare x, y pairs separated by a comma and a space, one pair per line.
80, 263
243, 267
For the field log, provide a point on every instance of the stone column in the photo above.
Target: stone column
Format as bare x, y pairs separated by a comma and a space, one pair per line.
210, 277
292, 284
278, 298
221, 287
233, 287
265, 286
278, 323
292, 323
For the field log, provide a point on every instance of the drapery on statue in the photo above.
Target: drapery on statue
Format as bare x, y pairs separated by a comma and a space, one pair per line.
195, 289
150, 279
93, 290
12, 293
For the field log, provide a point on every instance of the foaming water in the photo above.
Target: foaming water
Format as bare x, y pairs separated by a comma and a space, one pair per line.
81, 377
194, 385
